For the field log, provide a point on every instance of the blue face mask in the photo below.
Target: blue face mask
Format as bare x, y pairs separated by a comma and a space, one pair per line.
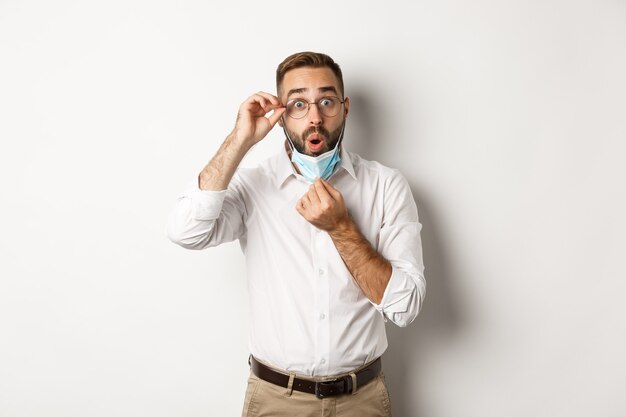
312, 167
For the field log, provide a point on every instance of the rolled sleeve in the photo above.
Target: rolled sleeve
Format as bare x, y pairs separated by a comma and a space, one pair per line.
206, 205
403, 297
202, 218
400, 243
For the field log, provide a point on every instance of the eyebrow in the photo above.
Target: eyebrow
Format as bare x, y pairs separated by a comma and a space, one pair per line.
321, 90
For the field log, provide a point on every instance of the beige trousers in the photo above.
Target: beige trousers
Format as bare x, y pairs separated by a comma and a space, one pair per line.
264, 399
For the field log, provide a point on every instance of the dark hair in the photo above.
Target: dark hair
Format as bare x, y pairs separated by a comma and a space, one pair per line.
307, 59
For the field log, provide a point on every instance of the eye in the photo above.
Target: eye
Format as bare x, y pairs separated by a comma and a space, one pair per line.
298, 104
326, 102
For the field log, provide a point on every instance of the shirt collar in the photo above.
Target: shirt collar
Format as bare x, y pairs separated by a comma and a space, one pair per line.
284, 168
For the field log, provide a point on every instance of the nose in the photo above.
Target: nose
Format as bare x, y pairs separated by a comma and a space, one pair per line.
315, 116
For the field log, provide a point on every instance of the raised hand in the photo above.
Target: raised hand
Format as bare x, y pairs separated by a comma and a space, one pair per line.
252, 123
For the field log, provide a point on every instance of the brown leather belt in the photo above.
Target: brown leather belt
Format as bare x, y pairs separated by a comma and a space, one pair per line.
321, 389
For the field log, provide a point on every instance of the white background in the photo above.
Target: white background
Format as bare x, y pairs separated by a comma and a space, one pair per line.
507, 118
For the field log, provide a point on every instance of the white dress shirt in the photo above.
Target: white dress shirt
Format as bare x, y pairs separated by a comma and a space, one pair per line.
307, 313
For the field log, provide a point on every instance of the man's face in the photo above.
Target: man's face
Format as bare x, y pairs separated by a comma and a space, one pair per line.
315, 133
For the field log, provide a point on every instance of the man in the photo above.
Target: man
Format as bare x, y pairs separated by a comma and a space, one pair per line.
332, 247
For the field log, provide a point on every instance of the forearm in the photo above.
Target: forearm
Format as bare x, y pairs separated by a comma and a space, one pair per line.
217, 174
370, 270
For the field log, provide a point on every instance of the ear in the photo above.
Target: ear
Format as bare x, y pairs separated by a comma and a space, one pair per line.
280, 121
346, 106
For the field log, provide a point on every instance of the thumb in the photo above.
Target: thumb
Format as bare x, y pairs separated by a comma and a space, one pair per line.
331, 190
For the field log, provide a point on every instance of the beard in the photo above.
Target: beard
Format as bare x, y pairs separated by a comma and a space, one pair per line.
330, 139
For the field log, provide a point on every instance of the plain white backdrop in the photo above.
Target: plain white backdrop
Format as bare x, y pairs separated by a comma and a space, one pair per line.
508, 118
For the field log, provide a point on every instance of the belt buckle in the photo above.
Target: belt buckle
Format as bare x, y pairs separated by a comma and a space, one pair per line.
318, 392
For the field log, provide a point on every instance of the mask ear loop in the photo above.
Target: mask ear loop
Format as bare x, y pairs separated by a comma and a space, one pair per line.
343, 128
291, 145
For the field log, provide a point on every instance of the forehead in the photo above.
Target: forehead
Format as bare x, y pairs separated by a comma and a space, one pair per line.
310, 80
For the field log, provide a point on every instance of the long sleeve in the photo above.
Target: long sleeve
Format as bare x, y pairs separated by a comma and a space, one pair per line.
400, 243
307, 313
201, 219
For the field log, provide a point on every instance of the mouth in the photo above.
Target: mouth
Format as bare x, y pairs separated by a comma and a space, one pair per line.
315, 142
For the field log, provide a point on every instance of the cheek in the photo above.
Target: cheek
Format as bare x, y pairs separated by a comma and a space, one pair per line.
297, 128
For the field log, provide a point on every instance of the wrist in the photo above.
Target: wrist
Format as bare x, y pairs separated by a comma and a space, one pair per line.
342, 227
239, 141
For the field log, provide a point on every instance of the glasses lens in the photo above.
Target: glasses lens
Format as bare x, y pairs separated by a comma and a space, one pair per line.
329, 106
297, 108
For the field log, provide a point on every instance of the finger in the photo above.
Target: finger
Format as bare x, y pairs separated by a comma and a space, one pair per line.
300, 207
313, 195
307, 201
271, 98
322, 192
269, 107
254, 105
304, 204
258, 100
265, 104
275, 117
331, 190
260, 104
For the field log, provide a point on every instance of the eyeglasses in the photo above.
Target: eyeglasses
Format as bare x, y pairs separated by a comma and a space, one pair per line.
297, 108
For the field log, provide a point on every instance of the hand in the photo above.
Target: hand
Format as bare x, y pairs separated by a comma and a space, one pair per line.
252, 124
323, 206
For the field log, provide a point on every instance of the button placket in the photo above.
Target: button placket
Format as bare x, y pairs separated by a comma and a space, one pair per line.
320, 263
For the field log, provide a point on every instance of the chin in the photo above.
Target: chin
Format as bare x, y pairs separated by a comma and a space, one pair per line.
317, 153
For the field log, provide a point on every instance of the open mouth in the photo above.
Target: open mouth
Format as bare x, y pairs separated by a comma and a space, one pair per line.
315, 142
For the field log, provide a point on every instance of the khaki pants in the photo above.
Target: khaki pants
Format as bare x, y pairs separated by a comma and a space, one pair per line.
264, 399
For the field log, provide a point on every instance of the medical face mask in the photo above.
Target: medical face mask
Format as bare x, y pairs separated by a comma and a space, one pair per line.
312, 167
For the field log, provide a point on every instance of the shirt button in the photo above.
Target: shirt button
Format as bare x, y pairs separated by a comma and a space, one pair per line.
321, 272
322, 316
323, 360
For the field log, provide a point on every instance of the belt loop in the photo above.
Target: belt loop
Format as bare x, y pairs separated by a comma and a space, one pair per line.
353, 376
290, 384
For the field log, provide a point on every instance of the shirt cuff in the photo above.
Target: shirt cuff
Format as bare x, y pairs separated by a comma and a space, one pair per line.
205, 204
397, 295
